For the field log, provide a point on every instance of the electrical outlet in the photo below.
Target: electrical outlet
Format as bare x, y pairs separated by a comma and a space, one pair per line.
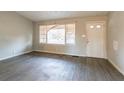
115, 45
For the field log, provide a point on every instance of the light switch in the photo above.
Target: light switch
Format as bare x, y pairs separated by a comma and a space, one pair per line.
115, 45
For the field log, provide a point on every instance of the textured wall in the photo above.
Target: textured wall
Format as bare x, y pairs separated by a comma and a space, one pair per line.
79, 48
15, 34
116, 35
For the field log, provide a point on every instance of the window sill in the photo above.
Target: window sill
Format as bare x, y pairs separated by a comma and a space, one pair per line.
57, 44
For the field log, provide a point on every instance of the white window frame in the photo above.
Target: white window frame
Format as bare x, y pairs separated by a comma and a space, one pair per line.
64, 37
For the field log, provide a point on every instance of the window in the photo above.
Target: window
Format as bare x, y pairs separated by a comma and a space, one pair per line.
43, 33
98, 26
70, 33
95, 27
57, 34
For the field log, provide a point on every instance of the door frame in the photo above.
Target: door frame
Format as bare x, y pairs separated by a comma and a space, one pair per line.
105, 37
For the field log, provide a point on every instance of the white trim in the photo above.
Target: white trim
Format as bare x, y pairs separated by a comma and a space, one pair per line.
97, 57
59, 53
15, 55
121, 71
65, 54
47, 30
104, 38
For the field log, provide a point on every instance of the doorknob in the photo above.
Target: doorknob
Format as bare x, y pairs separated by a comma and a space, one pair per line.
87, 41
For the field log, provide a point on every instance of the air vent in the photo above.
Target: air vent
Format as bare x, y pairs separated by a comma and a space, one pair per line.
75, 56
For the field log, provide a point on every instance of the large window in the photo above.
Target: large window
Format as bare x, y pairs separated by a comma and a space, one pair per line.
57, 34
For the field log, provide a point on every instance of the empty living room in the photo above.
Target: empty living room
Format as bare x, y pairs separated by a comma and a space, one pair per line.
61, 46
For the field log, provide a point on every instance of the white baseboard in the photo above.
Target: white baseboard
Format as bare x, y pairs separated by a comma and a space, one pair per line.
59, 53
65, 54
122, 72
15, 55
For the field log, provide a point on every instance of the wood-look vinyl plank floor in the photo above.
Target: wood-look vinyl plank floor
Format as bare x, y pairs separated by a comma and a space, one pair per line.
37, 66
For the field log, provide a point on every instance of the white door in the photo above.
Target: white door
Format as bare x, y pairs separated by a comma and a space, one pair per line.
96, 39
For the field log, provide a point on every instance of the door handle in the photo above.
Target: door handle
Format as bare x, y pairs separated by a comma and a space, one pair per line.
87, 41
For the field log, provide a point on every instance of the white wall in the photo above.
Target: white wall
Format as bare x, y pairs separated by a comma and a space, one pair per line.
15, 35
78, 49
116, 33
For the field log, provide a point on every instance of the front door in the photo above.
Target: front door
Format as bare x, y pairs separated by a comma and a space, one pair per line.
96, 39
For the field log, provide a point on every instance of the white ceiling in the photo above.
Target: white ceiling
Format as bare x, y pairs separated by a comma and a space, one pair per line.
50, 15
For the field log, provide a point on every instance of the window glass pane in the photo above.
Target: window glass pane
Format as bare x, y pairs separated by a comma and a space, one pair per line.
42, 40
43, 30
70, 34
50, 27
56, 35
42, 36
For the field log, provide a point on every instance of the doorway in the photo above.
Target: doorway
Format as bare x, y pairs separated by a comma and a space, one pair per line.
96, 39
